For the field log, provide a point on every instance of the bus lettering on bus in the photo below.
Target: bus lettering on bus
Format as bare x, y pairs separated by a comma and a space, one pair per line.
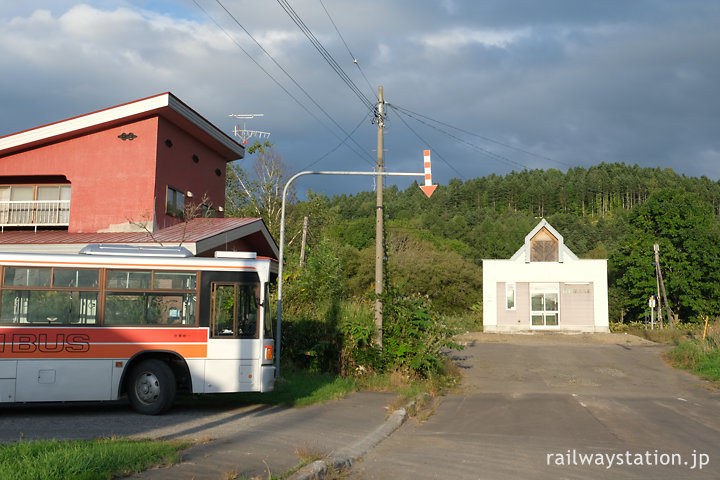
47, 343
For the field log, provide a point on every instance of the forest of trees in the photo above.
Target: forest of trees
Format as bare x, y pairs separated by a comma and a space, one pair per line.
435, 246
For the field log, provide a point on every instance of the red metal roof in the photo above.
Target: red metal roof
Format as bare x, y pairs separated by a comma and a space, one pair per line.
196, 231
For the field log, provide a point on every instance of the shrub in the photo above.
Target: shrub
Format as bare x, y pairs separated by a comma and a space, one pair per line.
360, 355
309, 289
413, 337
311, 343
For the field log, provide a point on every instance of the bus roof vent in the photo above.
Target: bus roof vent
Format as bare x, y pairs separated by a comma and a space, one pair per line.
246, 255
136, 251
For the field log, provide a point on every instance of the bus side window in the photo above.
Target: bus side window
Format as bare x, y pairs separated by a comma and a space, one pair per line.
124, 309
49, 307
14, 306
171, 309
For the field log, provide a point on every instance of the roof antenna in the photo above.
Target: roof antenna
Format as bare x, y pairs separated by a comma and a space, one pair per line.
246, 134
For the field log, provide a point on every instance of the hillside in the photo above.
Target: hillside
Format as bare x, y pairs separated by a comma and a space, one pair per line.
435, 246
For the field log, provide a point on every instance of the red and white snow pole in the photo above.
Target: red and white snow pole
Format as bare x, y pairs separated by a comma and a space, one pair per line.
428, 188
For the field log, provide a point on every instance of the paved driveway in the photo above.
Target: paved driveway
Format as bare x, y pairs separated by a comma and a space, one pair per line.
231, 441
538, 407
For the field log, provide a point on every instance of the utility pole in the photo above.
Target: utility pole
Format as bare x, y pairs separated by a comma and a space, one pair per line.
658, 273
656, 247
281, 251
379, 234
303, 245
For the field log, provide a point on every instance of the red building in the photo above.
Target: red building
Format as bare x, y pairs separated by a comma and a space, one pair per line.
134, 173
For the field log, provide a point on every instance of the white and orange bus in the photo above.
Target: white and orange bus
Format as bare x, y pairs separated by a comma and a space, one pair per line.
142, 322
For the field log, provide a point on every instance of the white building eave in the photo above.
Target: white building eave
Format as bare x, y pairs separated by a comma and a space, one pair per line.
113, 114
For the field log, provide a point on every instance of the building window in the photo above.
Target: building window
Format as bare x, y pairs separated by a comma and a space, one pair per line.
175, 203
34, 204
544, 247
509, 296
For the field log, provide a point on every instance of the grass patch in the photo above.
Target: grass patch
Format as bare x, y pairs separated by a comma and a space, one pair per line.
700, 356
464, 323
668, 335
84, 460
420, 394
303, 388
294, 388
298, 388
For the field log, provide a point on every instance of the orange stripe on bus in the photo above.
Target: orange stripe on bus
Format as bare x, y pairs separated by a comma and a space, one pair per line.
25, 351
107, 334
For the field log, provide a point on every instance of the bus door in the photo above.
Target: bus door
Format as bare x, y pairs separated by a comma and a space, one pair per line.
235, 346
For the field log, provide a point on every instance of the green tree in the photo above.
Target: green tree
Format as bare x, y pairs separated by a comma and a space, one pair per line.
685, 229
260, 194
449, 282
311, 307
319, 283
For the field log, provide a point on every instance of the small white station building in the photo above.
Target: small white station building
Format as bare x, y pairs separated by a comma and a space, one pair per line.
545, 287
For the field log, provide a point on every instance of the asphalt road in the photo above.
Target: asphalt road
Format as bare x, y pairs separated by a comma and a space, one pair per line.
230, 441
538, 409
530, 407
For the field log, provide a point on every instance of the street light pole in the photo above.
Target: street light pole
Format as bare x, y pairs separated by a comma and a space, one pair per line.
281, 252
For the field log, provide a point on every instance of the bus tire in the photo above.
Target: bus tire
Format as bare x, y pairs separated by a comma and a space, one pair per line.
151, 387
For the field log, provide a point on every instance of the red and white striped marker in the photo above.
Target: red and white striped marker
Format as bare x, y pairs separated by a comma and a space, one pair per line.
428, 188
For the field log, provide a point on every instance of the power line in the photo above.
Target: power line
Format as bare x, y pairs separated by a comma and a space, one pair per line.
324, 53
336, 146
251, 57
354, 58
365, 157
292, 79
426, 143
528, 152
488, 153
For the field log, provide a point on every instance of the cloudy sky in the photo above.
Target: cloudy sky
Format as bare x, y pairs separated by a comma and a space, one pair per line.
490, 86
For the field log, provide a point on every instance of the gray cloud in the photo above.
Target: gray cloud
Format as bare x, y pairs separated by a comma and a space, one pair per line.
577, 83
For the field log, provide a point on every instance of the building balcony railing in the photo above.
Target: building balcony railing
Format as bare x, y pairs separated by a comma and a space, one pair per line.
39, 213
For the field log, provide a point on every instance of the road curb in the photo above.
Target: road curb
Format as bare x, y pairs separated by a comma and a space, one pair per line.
346, 457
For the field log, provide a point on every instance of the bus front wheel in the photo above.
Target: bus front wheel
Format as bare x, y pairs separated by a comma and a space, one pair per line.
151, 387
